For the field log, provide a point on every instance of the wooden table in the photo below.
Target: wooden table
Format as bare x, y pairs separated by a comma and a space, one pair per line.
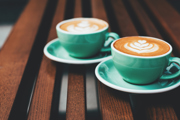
35, 88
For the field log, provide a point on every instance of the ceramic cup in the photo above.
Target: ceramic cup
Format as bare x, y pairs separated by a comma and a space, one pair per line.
81, 38
142, 69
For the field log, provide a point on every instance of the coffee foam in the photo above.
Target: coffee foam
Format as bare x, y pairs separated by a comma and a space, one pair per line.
83, 25
141, 46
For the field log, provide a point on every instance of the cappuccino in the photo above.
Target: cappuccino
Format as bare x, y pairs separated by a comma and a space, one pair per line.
141, 46
83, 25
84, 37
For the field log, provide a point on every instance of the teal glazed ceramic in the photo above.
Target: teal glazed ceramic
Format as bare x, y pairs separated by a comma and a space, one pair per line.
108, 75
54, 51
143, 70
82, 45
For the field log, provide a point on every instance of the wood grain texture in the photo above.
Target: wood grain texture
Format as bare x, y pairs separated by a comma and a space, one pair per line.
16, 51
41, 103
76, 89
115, 105
111, 101
144, 21
125, 23
167, 19
98, 10
76, 93
78, 9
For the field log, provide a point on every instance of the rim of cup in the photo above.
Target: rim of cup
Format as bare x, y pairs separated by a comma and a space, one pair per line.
144, 57
72, 19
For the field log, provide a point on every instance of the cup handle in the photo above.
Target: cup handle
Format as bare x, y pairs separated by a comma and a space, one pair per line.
171, 60
109, 37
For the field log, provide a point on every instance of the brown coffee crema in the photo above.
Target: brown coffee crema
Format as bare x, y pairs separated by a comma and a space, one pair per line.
141, 46
83, 25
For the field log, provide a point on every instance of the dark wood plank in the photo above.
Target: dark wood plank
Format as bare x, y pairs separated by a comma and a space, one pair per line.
15, 53
145, 23
124, 22
92, 108
122, 16
98, 7
59, 101
144, 26
22, 102
76, 88
109, 104
43, 94
141, 20
166, 19
78, 9
76, 93
98, 11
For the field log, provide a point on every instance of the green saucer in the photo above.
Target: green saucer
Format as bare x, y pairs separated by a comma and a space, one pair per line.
54, 51
108, 75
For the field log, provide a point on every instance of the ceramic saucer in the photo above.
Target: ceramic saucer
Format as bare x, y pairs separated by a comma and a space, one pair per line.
108, 75
54, 51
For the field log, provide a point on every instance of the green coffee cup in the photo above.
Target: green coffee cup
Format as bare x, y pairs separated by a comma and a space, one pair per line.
81, 38
139, 69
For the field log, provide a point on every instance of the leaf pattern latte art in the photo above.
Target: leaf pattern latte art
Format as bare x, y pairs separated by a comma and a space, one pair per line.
141, 46
83, 27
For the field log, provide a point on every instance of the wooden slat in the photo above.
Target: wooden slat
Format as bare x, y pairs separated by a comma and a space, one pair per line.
15, 53
22, 102
149, 29
108, 104
125, 23
167, 19
155, 18
144, 23
43, 94
76, 93
92, 108
97, 8
76, 89
78, 9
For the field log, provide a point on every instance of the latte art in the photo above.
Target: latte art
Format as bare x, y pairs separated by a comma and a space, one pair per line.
83, 27
141, 46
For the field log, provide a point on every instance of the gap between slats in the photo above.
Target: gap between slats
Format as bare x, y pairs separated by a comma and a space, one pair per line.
22, 102
69, 12
136, 99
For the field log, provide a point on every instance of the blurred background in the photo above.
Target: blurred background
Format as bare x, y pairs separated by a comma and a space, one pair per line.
9, 13
10, 10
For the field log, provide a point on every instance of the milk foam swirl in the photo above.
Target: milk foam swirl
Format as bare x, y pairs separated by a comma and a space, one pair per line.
83, 27
141, 46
